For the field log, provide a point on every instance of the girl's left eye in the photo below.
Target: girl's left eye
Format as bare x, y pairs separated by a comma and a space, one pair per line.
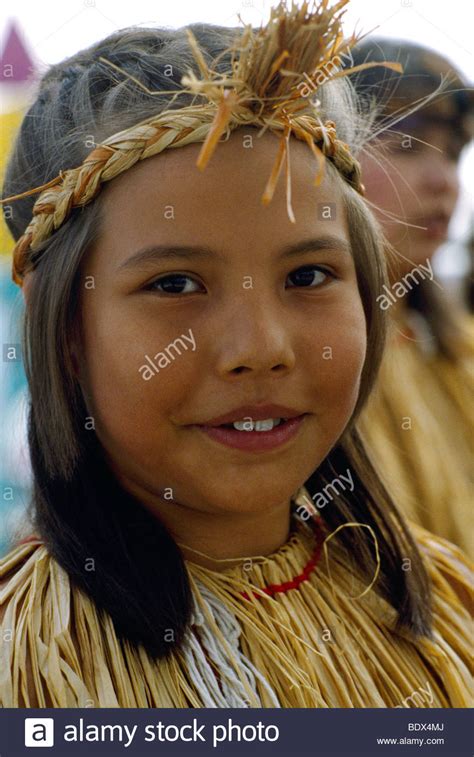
309, 276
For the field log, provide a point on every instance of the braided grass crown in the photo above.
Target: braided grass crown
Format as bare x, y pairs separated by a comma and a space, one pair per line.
267, 86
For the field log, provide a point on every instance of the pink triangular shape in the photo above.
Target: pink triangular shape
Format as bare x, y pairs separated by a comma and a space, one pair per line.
16, 64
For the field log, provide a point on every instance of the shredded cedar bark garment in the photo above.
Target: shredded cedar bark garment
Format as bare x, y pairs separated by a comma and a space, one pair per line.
306, 645
417, 427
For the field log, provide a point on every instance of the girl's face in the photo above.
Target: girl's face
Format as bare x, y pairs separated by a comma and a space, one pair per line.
236, 306
417, 182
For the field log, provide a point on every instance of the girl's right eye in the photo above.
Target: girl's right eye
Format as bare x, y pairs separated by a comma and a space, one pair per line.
173, 283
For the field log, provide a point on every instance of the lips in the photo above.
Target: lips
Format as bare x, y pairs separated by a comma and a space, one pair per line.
435, 224
255, 441
254, 413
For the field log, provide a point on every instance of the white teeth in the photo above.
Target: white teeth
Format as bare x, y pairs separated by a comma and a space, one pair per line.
266, 425
243, 425
249, 425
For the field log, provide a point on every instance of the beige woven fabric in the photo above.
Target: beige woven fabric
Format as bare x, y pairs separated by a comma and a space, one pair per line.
315, 645
419, 428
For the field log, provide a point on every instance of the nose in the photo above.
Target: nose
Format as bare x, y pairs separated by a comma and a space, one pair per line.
440, 175
255, 340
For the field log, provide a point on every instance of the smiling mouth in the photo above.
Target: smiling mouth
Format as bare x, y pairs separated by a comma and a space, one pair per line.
255, 436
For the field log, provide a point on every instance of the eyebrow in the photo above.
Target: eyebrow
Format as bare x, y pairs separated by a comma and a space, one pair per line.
155, 252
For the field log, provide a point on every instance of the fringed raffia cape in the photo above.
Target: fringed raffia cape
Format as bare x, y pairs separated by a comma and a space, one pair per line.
303, 642
419, 429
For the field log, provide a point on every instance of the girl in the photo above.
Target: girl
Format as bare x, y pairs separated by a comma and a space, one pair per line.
420, 420
209, 531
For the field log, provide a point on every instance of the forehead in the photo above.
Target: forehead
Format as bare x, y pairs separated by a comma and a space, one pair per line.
166, 198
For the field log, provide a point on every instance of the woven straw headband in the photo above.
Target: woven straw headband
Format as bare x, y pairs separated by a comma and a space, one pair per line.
258, 91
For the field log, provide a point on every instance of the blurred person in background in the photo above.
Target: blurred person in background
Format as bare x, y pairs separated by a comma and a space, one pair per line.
419, 422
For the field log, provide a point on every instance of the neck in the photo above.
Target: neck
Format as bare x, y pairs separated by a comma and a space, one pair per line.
218, 540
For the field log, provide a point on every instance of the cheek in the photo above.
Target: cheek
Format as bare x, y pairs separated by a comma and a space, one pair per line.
337, 345
390, 183
129, 409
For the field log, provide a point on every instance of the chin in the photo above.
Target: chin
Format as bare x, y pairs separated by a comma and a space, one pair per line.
251, 498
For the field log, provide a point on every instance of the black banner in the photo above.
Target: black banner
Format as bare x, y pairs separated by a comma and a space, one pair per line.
203, 732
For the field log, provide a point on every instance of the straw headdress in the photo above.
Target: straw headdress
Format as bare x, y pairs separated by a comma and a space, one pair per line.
266, 86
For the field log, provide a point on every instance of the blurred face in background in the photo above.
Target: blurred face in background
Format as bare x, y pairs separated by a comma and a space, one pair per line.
412, 179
